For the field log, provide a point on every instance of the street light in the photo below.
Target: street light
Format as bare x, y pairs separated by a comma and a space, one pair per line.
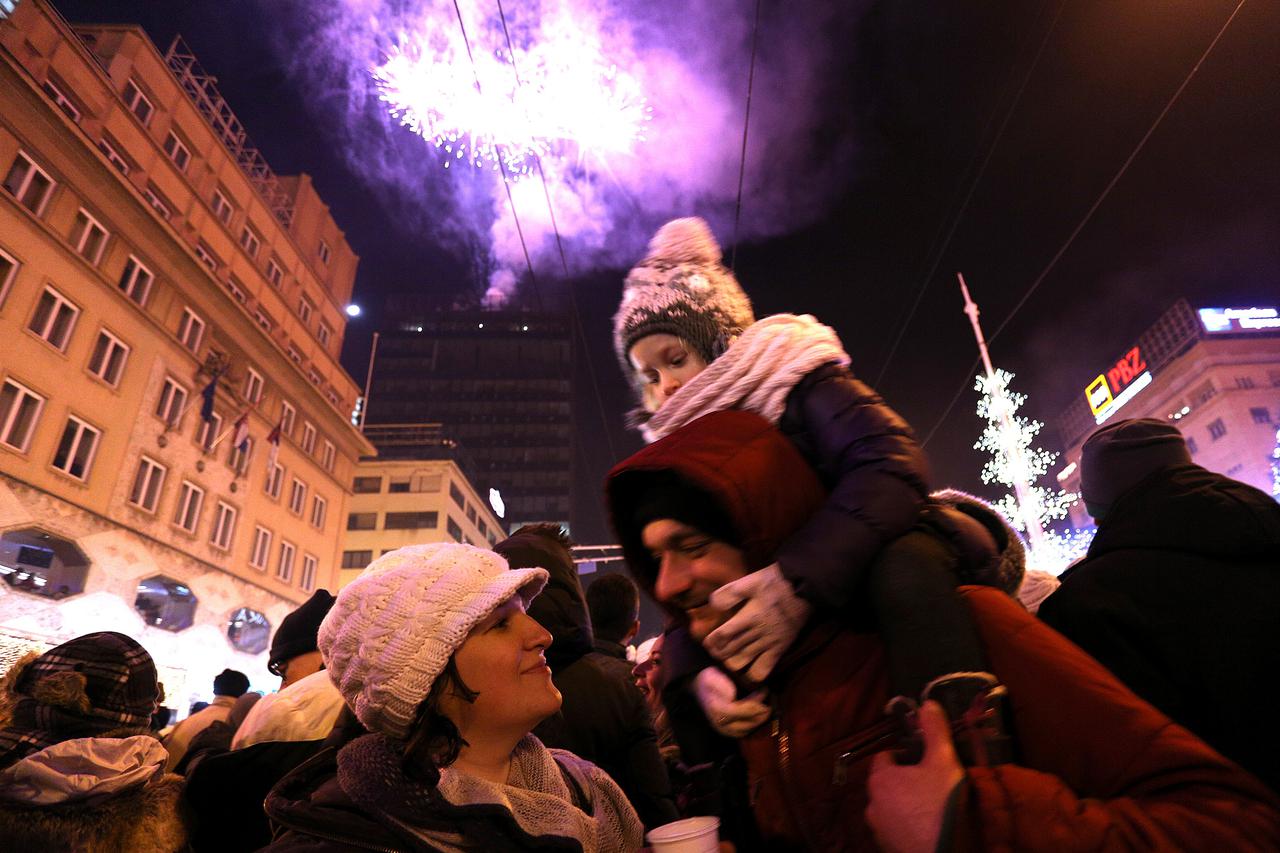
353, 310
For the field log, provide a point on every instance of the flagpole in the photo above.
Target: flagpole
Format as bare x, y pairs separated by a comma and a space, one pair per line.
368, 381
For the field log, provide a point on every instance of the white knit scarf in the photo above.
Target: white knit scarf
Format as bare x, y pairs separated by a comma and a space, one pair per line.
755, 374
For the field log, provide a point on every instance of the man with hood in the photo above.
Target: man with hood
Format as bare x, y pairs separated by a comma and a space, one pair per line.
603, 718
1097, 767
1179, 594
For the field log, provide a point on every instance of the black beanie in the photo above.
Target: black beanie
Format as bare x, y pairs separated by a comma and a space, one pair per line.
297, 632
230, 682
1120, 455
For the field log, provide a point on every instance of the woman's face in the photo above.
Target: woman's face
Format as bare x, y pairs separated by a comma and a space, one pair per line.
502, 661
663, 363
649, 676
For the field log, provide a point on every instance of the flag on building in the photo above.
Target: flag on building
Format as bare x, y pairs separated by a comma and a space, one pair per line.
240, 439
209, 392
274, 440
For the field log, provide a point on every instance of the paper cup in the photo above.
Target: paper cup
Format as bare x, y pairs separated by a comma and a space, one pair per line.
692, 835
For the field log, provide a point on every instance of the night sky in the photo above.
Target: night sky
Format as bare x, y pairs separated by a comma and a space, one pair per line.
902, 109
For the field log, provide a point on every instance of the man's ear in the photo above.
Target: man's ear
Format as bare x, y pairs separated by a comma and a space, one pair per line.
631, 633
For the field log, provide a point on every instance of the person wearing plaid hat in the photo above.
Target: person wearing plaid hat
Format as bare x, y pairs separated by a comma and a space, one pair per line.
79, 767
686, 336
435, 655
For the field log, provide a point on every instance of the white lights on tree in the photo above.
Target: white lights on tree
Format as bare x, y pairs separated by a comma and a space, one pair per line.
1018, 465
1275, 467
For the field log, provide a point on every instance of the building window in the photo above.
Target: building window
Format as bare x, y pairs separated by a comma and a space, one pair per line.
274, 481
236, 288
208, 432
323, 333
165, 603
327, 455
471, 514
191, 330
411, 521
108, 358
248, 631
157, 202
239, 457
398, 486
54, 318
250, 241
305, 310
367, 485
308, 437
275, 274
264, 320
1260, 415
179, 153
40, 563
287, 414
1191, 445
309, 566
224, 526
297, 496
324, 253
190, 499
61, 101
1217, 429
29, 184
455, 530
173, 401
315, 377
221, 207
261, 549
113, 156
1244, 383
284, 564
295, 355
147, 483
356, 559
137, 103
75, 451
136, 280
89, 237
362, 521
319, 509
206, 256
8, 272
456, 494
253, 385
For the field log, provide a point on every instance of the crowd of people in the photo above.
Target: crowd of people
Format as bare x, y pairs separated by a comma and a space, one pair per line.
851, 660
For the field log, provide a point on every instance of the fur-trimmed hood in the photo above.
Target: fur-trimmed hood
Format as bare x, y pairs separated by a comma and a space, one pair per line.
143, 819
974, 527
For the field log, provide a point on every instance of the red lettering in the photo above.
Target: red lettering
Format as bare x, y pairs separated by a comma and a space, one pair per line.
1135, 359
1113, 376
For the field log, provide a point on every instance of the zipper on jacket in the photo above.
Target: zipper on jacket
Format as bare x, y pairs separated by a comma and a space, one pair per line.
788, 791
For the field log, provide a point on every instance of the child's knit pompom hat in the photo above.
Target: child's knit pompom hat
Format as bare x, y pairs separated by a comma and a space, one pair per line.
392, 630
681, 288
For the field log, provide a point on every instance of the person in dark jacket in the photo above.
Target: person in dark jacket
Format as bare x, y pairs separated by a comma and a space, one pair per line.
613, 599
686, 336
1179, 594
1099, 769
603, 718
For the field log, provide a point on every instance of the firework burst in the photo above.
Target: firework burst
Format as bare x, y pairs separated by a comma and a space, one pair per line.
568, 103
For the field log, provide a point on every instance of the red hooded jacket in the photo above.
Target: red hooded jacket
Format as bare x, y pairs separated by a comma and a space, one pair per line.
1099, 768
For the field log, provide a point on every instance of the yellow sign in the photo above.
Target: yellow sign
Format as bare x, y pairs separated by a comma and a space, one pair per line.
1099, 395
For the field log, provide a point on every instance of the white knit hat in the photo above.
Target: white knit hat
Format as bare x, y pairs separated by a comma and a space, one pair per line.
393, 629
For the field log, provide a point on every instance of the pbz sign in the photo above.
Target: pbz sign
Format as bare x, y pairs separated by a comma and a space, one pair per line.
1118, 385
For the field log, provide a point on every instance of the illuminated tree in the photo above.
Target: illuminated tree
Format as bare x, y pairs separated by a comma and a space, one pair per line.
1275, 468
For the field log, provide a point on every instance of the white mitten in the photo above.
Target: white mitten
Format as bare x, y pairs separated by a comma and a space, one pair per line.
755, 637
731, 716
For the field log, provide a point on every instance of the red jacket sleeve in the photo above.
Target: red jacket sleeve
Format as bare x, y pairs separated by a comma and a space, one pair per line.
877, 474
1111, 772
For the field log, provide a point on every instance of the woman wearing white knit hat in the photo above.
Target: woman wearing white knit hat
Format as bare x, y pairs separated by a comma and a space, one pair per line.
432, 650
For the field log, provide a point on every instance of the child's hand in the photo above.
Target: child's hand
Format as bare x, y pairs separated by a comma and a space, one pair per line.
731, 716
907, 803
754, 638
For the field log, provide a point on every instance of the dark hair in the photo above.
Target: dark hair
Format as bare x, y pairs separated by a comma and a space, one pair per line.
550, 530
614, 602
434, 740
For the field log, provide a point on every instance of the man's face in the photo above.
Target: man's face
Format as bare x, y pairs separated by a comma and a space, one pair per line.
691, 566
297, 668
